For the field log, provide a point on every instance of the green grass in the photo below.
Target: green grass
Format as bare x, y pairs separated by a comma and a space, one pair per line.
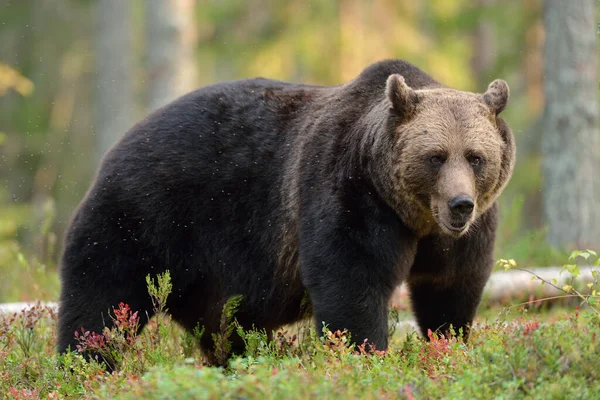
552, 356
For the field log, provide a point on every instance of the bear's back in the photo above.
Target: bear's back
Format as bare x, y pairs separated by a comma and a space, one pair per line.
376, 75
255, 113
224, 128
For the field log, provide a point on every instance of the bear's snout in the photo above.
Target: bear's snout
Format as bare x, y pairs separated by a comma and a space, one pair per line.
461, 208
455, 215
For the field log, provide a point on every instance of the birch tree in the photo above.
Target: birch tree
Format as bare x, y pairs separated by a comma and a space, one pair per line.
115, 104
571, 139
171, 40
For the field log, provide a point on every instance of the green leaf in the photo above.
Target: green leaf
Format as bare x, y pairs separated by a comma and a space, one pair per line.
574, 270
567, 267
574, 255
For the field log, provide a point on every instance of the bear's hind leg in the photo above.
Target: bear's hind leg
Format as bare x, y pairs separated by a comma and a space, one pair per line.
198, 312
90, 306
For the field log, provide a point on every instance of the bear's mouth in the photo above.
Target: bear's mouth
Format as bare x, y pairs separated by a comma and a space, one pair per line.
456, 228
452, 228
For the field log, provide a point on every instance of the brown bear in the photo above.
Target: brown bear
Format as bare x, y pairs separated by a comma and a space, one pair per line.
273, 190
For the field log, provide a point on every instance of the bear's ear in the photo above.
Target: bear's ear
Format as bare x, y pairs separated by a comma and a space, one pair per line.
496, 96
402, 97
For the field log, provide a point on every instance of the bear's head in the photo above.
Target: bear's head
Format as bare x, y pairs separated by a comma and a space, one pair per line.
451, 155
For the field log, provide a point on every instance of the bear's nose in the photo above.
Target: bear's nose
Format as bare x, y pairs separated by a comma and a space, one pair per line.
461, 206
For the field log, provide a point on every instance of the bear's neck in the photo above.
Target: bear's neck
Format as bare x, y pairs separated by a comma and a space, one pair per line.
379, 153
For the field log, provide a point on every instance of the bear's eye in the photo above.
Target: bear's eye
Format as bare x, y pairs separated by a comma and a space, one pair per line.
437, 160
475, 161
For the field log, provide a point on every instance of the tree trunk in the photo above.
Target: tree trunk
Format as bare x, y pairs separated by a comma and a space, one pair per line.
571, 140
484, 48
115, 105
171, 40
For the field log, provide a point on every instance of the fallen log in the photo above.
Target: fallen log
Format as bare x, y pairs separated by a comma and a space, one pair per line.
503, 286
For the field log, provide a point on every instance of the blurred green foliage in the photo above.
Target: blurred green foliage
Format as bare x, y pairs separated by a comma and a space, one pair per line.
46, 139
524, 356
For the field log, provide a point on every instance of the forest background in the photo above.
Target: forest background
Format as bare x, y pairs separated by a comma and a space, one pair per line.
76, 74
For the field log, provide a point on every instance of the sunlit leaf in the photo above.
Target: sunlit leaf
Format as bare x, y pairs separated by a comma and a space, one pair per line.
574, 255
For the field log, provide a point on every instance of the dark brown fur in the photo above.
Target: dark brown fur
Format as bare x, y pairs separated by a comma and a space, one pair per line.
272, 190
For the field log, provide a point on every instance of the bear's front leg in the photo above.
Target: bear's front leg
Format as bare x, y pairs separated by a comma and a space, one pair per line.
447, 279
351, 275
354, 303
438, 305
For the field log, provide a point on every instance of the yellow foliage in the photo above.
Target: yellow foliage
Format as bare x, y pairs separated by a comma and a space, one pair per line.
396, 35
446, 8
12, 79
272, 62
567, 288
448, 62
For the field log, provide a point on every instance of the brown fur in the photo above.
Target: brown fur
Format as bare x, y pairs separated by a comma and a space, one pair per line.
434, 118
454, 125
496, 97
431, 119
273, 191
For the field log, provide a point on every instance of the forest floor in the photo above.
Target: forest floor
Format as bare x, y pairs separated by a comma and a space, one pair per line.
541, 346
544, 352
